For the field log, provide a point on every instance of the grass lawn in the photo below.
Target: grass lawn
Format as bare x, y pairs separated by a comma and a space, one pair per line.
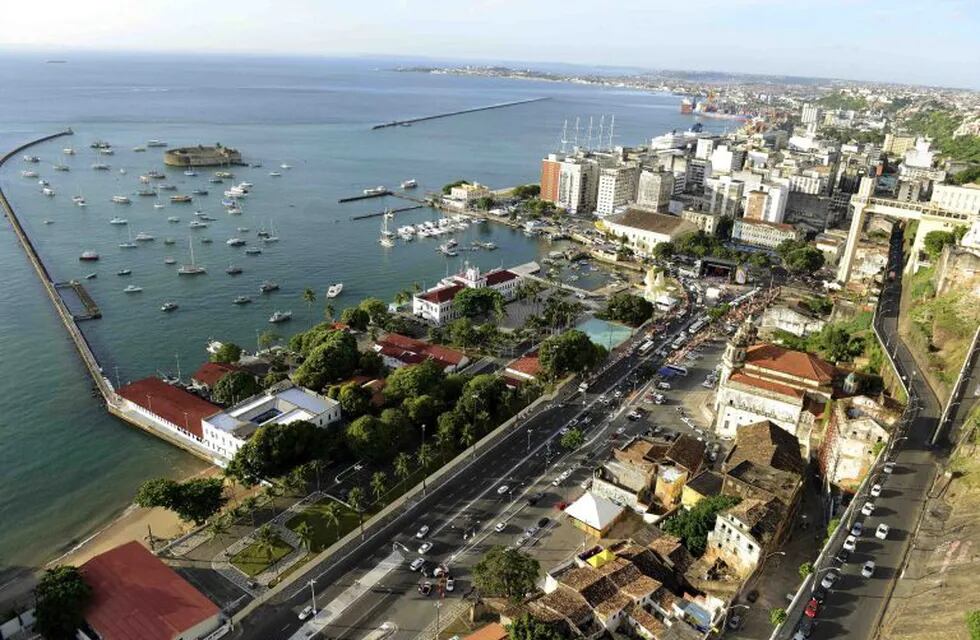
253, 560
325, 532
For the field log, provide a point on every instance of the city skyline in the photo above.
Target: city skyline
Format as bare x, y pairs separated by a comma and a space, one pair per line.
837, 39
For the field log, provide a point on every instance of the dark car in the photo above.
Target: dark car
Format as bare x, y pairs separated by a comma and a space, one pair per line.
843, 556
425, 588
543, 522
819, 594
534, 497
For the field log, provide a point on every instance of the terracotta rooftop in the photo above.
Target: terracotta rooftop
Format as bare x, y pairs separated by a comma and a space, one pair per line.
793, 363
769, 480
687, 452
493, 631
209, 373
171, 403
707, 483
442, 294
501, 275
567, 602
412, 351
766, 385
529, 365
764, 443
135, 596
653, 222
760, 516
647, 621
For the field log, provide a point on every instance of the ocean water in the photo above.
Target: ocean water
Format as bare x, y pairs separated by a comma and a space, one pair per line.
68, 467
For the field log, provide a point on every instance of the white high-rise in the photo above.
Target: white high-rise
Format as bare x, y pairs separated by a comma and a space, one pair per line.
617, 188
811, 114
578, 182
655, 189
723, 196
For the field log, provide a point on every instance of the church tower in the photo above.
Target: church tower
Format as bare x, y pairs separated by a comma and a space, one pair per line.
734, 356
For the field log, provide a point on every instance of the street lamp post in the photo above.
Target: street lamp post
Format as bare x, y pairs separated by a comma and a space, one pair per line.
312, 595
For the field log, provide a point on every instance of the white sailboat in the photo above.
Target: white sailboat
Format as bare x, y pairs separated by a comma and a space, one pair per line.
192, 269
387, 237
271, 237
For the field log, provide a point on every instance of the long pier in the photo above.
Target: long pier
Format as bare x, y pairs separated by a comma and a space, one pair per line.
366, 196
378, 214
499, 105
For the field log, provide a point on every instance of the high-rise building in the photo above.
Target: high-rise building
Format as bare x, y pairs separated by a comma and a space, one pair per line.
550, 170
755, 205
766, 203
617, 188
897, 144
655, 189
698, 170
724, 159
578, 182
723, 196
704, 148
811, 114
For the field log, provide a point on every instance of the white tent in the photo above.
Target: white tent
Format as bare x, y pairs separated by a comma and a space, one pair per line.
595, 511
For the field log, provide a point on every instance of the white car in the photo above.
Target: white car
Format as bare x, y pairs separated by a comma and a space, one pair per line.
563, 431
500, 527
882, 531
502, 489
422, 532
829, 579
868, 508
868, 569
663, 386
306, 612
450, 585
850, 542
425, 548
889, 467
417, 564
875, 491
620, 431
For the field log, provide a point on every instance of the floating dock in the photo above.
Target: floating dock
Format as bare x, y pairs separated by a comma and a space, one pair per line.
366, 196
378, 214
499, 105
92, 311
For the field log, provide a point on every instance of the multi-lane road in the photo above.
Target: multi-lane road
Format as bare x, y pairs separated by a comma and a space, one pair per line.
525, 461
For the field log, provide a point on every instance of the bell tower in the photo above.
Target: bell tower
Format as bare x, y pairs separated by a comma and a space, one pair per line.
734, 356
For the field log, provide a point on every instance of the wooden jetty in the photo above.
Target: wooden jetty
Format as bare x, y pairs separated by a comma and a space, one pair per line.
92, 311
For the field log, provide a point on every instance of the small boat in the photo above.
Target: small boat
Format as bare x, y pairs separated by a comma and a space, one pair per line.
98, 166
43, 183
409, 184
122, 172
173, 219
228, 202
215, 180
100, 144
256, 165
243, 229
206, 240
121, 199
129, 244
180, 199
106, 151
281, 316
169, 260
89, 256
156, 175
241, 300
168, 241
275, 174
223, 174
155, 143
142, 236
124, 272
253, 251
132, 289
200, 192
235, 242
61, 167
48, 191
233, 270
271, 236
46, 221
262, 233
169, 306
206, 217
245, 185
192, 269
197, 224
91, 276
118, 220
167, 187
268, 287
78, 200
158, 205
68, 151
139, 149
285, 166
334, 290
29, 174
32, 159
190, 173
234, 210
376, 191
146, 193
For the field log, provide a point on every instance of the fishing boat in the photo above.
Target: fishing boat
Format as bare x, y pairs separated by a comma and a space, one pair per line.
197, 224
61, 167
200, 192
124, 272
98, 166
143, 236
268, 287
168, 306
132, 289
121, 199
68, 151
146, 193
281, 316
235, 242
253, 251
223, 174
192, 269
180, 199
375, 191
409, 184
285, 166
88, 256
173, 219
118, 220
241, 300
233, 270
139, 149
334, 290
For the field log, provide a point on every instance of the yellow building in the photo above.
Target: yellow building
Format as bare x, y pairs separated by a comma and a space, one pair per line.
704, 485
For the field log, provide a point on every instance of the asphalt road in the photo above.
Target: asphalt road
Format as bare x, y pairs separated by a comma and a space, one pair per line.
472, 500
854, 605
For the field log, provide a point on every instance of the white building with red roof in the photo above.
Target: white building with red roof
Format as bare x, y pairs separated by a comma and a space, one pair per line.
135, 596
168, 407
398, 351
435, 305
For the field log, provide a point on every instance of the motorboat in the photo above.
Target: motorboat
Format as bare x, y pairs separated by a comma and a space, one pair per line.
285, 166
98, 166
132, 289
124, 272
107, 151
234, 210
409, 184
169, 260
155, 143
168, 306
281, 316
142, 236
121, 199
118, 220
275, 174
253, 251
146, 193
32, 159
68, 151
268, 286
48, 191
173, 219
190, 173
215, 180
139, 149
197, 224
334, 290
200, 192
100, 144
43, 183
243, 229
167, 187
233, 270
46, 221
122, 172
206, 241
241, 300
180, 199
158, 205
89, 256
61, 167
169, 241
28, 174
223, 174
375, 191
235, 242
155, 175
91, 276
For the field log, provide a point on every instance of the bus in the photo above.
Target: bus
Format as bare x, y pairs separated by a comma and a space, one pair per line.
646, 347
697, 326
677, 344
676, 368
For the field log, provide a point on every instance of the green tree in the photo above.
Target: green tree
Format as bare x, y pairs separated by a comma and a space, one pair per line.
195, 500
485, 203
354, 400
228, 353
402, 466
462, 334
424, 458
663, 250
526, 191
309, 297
268, 338
805, 569
876, 449
218, 527
355, 318
355, 498
973, 624
331, 515
467, 436
336, 358
235, 386
777, 616
409, 382
447, 188
505, 572
693, 526
423, 409
573, 439
473, 302
376, 310
379, 485
367, 438
275, 449
329, 313
569, 352
61, 596
935, 241
266, 541
628, 308
304, 532
832, 526
526, 627
804, 260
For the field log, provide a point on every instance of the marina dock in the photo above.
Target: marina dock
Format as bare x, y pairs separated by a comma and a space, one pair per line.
499, 105
92, 311
378, 214
366, 196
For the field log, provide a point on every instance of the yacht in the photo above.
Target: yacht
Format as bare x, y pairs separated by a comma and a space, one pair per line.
124, 272
100, 144
262, 233
28, 174
121, 199
200, 192
146, 193
173, 219
169, 260
234, 210
253, 251
197, 224
91, 276
98, 166
61, 167
48, 191
190, 173
155, 143
106, 151
334, 290
158, 205
275, 174
285, 166
169, 306
387, 237
235, 242
32, 159
43, 183
241, 300
89, 256
118, 220
268, 287
271, 236
192, 269
280, 316
409, 184
233, 270
447, 250
180, 199
143, 236
68, 151
139, 149
129, 244
376, 191
132, 289
223, 174
228, 202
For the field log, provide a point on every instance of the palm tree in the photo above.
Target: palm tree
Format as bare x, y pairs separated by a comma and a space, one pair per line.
355, 498
331, 513
402, 468
379, 484
416, 287
328, 312
305, 534
309, 297
316, 467
218, 527
424, 457
249, 505
296, 481
266, 541
467, 436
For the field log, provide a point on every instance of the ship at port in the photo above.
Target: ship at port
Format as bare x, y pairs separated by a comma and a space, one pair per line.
202, 156
709, 108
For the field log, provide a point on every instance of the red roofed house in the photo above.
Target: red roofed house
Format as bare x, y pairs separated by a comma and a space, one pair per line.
135, 596
759, 382
168, 407
436, 304
524, 368
397, 351
209, 373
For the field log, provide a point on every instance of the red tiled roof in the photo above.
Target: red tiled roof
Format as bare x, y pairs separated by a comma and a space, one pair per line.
498, 277
528, 365
135, 596
766, 385
209, 373
170, 403
404, 344
442, 294
794, 363
493, 631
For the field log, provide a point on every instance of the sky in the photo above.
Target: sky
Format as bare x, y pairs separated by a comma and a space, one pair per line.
931, 42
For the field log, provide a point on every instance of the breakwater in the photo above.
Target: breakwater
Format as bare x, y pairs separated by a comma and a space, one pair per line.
499, 105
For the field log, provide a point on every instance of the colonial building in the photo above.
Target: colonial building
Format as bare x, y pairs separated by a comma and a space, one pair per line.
791, 318
643, 230
436, 304
744, 532
759, 233
858, 427
398, 351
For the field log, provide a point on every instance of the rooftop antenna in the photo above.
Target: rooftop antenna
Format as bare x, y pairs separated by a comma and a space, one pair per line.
576, 132
589, 136
602, 127
564, 135
612, 127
